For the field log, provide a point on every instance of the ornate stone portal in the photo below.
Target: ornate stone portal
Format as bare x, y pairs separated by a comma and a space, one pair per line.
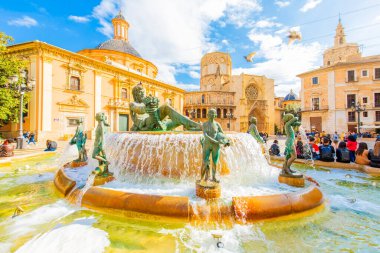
289, 176
212, 140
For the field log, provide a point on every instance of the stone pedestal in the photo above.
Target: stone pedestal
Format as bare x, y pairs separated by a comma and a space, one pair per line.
207, 189
100, 180
76, 164
297, 180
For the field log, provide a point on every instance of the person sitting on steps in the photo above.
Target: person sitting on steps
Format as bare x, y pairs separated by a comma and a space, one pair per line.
342, 153
326, 151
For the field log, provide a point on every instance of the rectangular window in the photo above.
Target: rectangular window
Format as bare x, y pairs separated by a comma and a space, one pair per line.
72, 122
74, 83
365, 100
377, 99
365, 114
377, 115
351, 117
351, 76
315, 103
351, 100
364, 73
315, 80
377, 73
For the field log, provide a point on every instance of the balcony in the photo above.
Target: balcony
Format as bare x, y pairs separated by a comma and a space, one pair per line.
315, 108
117, 103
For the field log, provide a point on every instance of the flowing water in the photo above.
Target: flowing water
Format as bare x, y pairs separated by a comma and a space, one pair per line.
350, 222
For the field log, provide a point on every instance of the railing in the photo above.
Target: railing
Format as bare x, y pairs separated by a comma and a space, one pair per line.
117, 102
315, 108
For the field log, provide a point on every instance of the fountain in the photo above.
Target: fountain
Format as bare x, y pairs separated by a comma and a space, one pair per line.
152, 170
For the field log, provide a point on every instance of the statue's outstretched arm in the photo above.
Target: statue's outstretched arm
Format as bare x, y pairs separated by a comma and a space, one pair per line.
138, 108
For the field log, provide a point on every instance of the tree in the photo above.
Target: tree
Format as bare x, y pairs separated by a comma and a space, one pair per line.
10, 65
294, 109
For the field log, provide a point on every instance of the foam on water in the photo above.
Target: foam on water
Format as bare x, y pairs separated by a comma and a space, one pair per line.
69, 153
197, 240
81, 238
29, 222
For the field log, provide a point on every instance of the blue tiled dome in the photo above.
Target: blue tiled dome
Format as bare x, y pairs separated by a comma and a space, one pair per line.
291, 96
119, 45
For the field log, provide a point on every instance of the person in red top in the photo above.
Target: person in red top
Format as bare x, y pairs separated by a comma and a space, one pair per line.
352, 145
314, 148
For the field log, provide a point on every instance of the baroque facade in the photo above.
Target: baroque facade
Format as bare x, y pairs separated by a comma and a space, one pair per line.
70, 85
345, 79
235, 97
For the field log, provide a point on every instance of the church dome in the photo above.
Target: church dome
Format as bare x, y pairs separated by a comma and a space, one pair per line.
120, 46
291, 96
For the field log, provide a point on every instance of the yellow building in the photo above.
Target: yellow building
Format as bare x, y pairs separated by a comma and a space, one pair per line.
70, 86
242, 96
346, 78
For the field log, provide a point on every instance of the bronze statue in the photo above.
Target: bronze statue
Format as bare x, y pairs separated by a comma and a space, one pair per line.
147, 115
253, 130
213, 138
80, 139
290, 149
98, 152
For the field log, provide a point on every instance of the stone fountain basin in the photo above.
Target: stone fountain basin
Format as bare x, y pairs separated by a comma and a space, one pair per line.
243, 209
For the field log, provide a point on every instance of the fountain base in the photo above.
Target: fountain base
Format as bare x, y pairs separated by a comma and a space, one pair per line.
297, 180
76, 164
100, 180
207, 189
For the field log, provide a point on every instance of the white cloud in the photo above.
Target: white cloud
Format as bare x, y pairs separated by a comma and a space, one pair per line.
310, 4
282, 62
194, 74
24, 21
79, 19
225, 42
266, 23
282, 4
188, 87
178, 32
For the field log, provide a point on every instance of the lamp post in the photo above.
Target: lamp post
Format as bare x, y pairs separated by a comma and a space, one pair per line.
25, 85
229, 116
358, 108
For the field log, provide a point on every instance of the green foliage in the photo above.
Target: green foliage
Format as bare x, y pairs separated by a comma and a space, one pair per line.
294, 109
10, 65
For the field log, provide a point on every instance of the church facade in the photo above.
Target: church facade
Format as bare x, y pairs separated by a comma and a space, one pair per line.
235, 97
70, 85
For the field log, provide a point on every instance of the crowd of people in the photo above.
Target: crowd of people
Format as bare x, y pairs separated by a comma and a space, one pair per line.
343, 148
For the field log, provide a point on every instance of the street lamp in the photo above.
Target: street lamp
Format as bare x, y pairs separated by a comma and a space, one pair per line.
358, 108
25, 85
229, 116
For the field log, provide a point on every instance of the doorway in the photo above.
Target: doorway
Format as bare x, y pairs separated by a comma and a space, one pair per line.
123, 122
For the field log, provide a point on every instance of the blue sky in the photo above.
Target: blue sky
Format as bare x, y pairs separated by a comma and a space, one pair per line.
174, 34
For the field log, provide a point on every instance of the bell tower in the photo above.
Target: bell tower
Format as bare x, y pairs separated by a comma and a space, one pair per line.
120, 27
340, 37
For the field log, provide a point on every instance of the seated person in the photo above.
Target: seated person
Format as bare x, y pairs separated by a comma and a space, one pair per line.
326, 151
374, 155
313, 148
352, 145
274, 149
362, 154
342, 153
31, 139
50, 145
6, 149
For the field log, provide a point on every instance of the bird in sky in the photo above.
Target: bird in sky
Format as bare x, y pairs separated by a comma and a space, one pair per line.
294, 35
249, 58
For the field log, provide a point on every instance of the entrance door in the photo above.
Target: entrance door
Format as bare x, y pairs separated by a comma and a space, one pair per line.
123, 122
316, 123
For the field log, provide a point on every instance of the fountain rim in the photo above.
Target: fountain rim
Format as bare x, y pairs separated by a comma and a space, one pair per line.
258, 208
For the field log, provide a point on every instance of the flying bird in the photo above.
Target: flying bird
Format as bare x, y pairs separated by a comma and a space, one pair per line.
294, 35
249, 57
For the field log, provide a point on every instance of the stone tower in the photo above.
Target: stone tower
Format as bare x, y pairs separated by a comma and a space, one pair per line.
120, 27
341, 51
215, 71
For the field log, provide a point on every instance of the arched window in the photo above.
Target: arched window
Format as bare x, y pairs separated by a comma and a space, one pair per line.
203, 99
204, 113
124, 93
224, 113
74, 83
218, 113
198, 113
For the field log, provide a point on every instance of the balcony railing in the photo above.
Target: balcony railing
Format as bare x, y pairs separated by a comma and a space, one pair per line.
315, 108
117, 102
